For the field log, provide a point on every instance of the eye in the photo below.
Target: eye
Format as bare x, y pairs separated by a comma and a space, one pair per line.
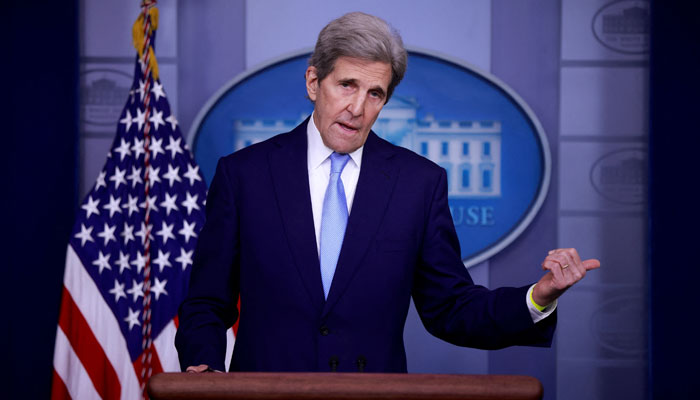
376, 94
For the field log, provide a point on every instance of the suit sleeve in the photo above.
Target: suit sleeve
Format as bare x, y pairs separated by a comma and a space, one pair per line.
456, 310
210, 306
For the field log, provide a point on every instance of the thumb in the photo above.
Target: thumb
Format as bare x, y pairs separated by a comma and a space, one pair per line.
591, 264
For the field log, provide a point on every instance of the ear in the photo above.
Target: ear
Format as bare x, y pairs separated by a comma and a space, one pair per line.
311, 82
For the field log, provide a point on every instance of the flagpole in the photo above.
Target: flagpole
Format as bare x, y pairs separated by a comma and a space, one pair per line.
148, 13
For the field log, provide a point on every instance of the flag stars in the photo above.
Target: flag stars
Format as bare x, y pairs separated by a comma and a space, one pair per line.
113, 206
172, 175
127, 233
157, 90
118, 291
169, 203
136, 290
139, 262
156, 147
163, 260
172, 121
149, 186
102, 262
123, 262
140, 118
149, 203
118, 177
159, 287
174, 147
91, 207
187, 230
101, 180
127, 120
166, 232
157, 118
123, 150
131, 229
192, 174
135, 176
153, 175
185, 258
133, 318
107, 234
138, 148
191, 203
143, 232
142, 89
85, 234
131, 205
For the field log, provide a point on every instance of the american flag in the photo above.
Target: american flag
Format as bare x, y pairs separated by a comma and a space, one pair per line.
130, 253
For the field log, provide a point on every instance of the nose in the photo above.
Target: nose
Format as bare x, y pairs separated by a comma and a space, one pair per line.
356, 104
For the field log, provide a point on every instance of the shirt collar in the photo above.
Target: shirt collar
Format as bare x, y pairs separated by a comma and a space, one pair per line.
318, 152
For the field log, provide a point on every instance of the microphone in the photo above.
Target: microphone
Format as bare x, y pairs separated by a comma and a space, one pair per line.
333, 362
361, 362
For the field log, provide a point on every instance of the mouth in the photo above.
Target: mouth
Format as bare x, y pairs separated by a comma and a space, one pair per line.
347, 127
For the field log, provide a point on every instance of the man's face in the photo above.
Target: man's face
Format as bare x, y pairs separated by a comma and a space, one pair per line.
348, 101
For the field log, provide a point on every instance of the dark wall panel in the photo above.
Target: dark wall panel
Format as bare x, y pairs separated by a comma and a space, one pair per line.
674, 220
39, 170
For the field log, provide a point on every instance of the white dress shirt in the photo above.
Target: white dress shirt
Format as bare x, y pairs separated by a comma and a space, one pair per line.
319, 166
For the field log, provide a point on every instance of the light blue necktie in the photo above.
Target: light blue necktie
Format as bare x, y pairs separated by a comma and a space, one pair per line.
334, 219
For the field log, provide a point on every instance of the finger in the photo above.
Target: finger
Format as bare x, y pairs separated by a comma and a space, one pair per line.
197, 368
554, 251
569, 261
564, 256
577, 271
561, 258
591, 264
576, 268
574, 255
555, 268
570, 272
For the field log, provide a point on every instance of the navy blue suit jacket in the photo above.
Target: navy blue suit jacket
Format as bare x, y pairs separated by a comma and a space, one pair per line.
259, 242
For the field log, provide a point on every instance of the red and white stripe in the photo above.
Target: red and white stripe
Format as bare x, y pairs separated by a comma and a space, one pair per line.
91, 359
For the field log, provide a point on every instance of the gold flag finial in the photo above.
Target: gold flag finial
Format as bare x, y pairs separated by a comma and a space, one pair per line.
142, 31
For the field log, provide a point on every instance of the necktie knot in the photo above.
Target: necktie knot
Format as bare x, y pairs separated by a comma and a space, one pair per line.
338, 162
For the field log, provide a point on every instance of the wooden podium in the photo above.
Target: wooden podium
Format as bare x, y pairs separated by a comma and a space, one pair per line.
346, 386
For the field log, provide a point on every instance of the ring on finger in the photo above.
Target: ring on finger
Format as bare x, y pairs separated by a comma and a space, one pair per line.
565, 266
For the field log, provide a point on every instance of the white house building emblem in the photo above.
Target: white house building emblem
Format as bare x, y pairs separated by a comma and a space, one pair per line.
484, 136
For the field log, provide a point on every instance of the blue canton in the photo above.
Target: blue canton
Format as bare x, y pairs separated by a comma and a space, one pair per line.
110, 232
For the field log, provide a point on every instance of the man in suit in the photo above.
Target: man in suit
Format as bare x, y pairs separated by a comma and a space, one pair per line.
327, 231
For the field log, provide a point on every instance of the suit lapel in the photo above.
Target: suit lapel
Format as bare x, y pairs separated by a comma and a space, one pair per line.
288, 165
374, 187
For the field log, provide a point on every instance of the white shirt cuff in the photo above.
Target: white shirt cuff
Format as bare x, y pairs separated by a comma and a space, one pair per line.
536, 314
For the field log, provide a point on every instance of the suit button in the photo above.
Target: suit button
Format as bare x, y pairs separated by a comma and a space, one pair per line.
324, 331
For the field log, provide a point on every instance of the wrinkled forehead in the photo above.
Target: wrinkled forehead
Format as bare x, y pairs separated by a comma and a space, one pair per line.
363, 72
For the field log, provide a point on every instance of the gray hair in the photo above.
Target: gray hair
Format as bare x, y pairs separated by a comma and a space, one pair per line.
364, 36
